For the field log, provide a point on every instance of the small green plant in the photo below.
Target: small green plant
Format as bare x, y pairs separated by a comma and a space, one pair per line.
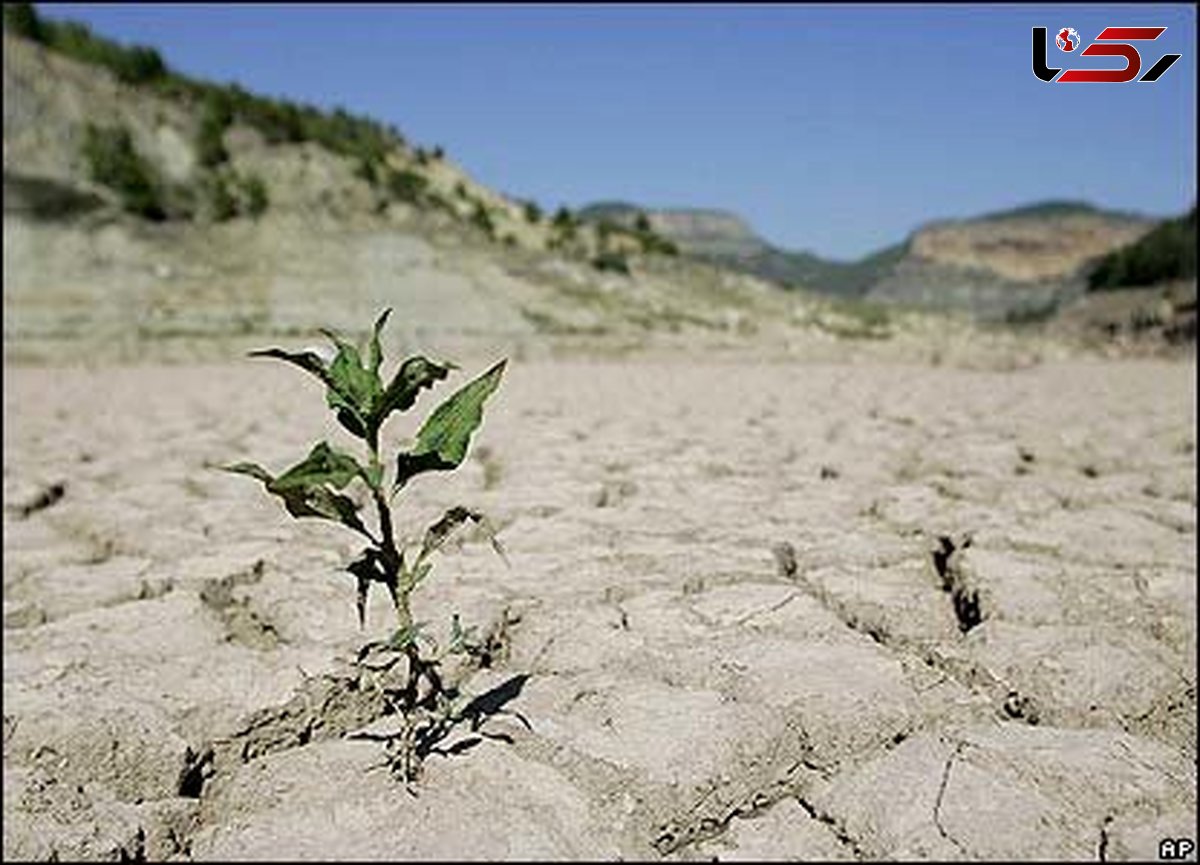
313, 487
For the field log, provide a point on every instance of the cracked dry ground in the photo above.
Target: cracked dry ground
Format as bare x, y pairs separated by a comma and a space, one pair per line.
766, 610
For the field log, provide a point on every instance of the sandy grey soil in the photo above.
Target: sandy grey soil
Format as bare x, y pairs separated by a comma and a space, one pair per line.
766, 610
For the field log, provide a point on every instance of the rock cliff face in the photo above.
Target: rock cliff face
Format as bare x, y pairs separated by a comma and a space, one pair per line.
712, 232
1028, 248
1013, 265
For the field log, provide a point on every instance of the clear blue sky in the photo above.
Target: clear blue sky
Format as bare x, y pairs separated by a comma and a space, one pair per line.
836, 129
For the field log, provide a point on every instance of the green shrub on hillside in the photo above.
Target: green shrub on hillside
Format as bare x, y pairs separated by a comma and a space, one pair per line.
222, 205
1167, 252
652, 242
533, 213
21, 19
136, 64
113, 161
254, 191
481, 218
367, 170
407, 185
563, 219
210, 137
611, 261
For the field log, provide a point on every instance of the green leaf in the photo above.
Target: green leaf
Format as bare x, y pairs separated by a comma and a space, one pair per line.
306, 360
460, 637
373, 474
419, 573
322, 465
252, 469
402, 638
374, 352
414, 374
437, 533
303, 490
367, 569
353, 389
443, 439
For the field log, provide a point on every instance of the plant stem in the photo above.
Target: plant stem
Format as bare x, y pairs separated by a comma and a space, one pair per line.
393, 565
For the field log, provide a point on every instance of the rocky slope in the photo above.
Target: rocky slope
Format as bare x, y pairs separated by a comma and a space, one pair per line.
457, 260
725, 239
1008, 265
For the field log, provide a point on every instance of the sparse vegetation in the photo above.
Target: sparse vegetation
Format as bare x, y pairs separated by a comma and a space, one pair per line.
611, 261
134, 64
278, 121
407, 185
22, 19
481, 218
210, 137
533, 213
1029, 314
221, 203
1167, 252
367, 170
254, 191
855, 319
113, 161
313, 487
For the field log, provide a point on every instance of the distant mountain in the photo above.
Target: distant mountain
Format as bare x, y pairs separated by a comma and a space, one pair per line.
998, 265
1013, 264
723, 238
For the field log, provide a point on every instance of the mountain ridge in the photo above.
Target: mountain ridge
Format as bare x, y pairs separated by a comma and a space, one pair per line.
1043, 248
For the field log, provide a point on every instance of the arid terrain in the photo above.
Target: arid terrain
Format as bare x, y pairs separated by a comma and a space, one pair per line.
789, 573
754, 607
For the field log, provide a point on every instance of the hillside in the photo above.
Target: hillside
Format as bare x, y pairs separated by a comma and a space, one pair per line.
1168, 252
157, 210
725, 239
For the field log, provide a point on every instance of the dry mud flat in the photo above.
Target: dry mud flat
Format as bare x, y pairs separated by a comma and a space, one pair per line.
752, 610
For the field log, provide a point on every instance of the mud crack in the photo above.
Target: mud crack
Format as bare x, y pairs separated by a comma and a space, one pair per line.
242, 623
937, 806
1102, 847
956, 580
45, 498
836, 829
